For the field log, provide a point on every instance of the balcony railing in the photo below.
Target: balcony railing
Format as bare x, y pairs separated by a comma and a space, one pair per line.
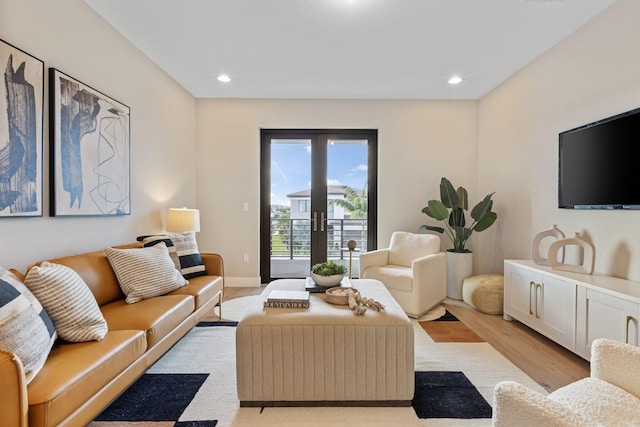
291, 238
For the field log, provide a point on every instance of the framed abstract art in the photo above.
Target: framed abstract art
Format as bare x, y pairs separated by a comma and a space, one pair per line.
21, 135
89, 137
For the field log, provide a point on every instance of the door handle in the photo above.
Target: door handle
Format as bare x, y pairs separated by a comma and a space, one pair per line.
315, 221
321, 221
531, 283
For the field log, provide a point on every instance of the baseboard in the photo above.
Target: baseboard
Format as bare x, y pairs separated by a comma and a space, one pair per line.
242, 282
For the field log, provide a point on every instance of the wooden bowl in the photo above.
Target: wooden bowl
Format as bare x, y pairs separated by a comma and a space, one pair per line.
338, 295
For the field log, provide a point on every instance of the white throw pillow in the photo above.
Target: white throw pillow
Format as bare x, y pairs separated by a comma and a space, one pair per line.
25, 328
68, 301
145, 272
183, 250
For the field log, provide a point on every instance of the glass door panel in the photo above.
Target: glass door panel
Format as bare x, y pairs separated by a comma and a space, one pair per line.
290, 207
347, 205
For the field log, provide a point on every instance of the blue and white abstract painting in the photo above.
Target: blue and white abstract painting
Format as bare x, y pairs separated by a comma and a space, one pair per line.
21, 103
90, 149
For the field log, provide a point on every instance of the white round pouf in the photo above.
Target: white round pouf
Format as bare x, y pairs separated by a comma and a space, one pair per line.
485, 292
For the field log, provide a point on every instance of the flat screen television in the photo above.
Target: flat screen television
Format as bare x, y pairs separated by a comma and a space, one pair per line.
598, 164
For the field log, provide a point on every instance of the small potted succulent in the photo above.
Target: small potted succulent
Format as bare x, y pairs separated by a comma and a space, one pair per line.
327, 273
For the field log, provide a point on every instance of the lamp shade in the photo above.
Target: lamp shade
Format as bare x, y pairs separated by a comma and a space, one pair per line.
181, 220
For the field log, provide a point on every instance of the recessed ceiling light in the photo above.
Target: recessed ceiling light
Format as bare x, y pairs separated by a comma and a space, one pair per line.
454, 80
224, 78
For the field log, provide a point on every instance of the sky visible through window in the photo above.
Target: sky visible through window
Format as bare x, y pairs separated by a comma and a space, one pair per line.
291, 167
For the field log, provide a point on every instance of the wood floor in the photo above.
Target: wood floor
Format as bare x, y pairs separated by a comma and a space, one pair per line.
547, 363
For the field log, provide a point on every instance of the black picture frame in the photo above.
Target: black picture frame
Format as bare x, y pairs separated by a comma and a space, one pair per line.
21, 133
90, 150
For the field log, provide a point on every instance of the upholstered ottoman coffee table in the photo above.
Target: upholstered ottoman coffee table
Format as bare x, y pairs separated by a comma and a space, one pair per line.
325, 354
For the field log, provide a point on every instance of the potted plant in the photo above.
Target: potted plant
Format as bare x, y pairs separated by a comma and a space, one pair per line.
328, 273
451, 210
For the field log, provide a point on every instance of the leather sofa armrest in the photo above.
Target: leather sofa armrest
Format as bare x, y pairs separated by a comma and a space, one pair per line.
213, 264
616, 363
14, 405
375, 258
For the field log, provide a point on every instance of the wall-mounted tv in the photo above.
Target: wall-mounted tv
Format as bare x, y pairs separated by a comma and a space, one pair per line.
599, 167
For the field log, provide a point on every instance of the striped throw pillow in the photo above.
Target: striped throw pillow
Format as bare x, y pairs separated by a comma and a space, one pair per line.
145, 272
183, 250
68, 301
25, 328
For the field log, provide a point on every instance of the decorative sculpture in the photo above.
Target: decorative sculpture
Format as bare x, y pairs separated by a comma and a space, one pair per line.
588, 259
537, 239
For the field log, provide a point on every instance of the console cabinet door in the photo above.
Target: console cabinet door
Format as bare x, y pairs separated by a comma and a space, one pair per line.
606, 316
542, 302
520, 288
557, 310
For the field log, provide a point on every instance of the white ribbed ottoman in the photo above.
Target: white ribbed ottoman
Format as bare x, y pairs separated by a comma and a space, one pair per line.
325, 355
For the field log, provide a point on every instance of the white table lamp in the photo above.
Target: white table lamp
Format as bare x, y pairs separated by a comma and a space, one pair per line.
181, 220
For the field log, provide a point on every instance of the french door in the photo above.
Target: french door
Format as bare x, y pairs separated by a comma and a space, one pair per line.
318, 192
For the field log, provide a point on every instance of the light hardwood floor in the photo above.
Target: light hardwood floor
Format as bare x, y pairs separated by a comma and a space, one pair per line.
549, 364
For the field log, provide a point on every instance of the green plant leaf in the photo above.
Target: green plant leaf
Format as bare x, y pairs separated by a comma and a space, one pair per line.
457, 219
482, 208
486, 221
431, 228
448, 194
463, 198
437, 210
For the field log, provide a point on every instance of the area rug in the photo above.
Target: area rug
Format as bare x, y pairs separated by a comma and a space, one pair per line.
454, 387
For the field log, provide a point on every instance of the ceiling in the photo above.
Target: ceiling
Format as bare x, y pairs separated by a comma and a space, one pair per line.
354, 49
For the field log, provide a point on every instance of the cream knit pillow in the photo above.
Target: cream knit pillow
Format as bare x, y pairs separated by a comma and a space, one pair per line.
145, 272
68, 301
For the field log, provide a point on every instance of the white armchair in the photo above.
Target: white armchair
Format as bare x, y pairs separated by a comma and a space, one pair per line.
609, 397
413, 269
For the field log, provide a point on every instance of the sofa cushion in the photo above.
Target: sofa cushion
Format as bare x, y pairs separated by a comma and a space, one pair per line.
157, 316
68, 301
77, 371
145, 272
393, 276
25, 328
202, 289
183, 250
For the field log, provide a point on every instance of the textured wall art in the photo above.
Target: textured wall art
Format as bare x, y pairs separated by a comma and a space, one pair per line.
21, 106
90, 149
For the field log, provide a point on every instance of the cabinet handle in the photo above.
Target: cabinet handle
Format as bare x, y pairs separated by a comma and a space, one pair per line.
626, 332
538, 287
531, 283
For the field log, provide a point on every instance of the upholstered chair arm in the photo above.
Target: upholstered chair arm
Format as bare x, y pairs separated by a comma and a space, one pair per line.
14, 405
616, 363
432, 268
518, 405
375, 258
213, 264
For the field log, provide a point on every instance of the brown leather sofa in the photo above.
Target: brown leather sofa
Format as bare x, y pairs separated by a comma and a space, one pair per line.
79, 380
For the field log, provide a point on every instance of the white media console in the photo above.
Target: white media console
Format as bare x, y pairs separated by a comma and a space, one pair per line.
571, 309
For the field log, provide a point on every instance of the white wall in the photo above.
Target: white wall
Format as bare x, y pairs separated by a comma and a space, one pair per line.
418, 143
69, 36
593, 74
